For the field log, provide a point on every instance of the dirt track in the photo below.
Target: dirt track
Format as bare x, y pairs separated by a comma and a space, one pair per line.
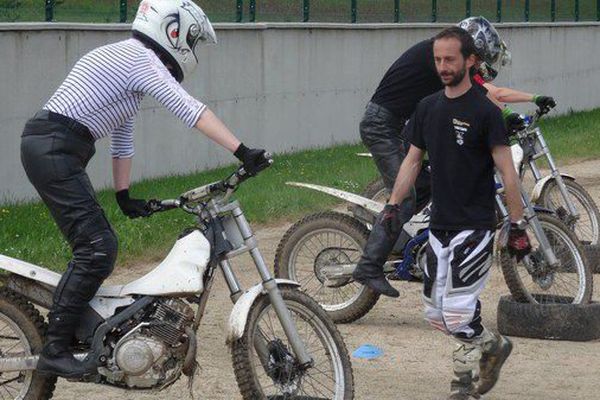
416, 362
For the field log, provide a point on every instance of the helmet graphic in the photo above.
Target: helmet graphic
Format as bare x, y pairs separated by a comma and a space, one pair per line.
176, 29
490, 48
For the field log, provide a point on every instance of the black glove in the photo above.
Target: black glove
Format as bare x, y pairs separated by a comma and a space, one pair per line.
133, 208
514, 123
391, 219
544, 102
518, 243
252, 159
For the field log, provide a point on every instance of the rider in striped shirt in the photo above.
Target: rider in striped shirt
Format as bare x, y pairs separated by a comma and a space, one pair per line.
100, 97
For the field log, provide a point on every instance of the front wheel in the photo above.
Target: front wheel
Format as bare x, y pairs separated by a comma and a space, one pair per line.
587, 225
533, 280
279, 375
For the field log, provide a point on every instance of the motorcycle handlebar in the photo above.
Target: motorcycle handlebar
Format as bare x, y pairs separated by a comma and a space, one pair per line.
227, 186
543, 111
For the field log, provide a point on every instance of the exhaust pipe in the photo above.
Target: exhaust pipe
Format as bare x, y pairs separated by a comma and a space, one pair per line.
27, 363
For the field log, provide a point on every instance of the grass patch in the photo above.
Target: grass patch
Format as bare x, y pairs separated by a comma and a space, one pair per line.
573, 137
28, 232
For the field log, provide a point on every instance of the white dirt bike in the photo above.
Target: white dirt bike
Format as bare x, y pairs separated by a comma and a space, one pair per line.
142, 335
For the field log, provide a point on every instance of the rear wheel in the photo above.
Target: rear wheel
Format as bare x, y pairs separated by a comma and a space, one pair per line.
321, 241
534, 280
22, 330
279, 375
377, 191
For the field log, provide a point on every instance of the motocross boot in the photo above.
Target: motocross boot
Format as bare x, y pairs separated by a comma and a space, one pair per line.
465, 363
56, 357
369, 270
76, 288
496, 349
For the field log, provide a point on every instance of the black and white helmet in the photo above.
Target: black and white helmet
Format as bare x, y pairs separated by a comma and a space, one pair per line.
491, 49
176, 29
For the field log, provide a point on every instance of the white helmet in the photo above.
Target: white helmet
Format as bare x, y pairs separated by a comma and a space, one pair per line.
174, 29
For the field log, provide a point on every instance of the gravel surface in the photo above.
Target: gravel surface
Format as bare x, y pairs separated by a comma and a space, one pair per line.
416, 364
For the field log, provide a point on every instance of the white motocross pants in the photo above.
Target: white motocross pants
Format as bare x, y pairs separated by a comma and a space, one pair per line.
458, 267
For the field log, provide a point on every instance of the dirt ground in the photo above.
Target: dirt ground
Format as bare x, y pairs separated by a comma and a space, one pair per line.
416, 362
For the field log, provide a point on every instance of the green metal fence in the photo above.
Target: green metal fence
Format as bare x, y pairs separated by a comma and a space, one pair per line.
355, 11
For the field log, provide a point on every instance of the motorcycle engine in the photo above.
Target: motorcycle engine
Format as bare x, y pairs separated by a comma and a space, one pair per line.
152, 354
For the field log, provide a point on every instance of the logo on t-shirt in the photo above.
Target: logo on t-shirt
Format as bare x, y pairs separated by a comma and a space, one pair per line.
460, 129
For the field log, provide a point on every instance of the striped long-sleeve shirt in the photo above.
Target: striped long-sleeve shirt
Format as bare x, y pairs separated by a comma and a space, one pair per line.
104, 89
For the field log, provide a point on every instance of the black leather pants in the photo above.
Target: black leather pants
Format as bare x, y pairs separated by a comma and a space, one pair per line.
380, 131
55, 157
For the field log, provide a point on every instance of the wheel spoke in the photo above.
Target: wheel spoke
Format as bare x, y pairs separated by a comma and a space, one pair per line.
321, 380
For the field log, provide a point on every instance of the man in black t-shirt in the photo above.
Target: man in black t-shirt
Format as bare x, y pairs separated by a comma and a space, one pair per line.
412, 77
465, 138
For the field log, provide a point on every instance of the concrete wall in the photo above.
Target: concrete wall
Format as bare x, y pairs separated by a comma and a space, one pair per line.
280, 86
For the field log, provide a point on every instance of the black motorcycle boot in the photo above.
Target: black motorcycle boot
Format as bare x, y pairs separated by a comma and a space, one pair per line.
56, 357
76, 288
369, 270
382, 239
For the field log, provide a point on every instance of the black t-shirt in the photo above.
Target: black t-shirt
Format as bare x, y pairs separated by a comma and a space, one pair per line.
411, 78
458, 135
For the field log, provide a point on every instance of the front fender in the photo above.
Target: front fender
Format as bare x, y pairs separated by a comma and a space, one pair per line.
241, 309
371, 205
541, 184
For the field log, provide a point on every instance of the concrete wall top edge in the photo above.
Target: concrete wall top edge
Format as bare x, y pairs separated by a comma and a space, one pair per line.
63, 26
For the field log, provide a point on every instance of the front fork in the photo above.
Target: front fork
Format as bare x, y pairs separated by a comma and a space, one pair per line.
543, 150
270, 286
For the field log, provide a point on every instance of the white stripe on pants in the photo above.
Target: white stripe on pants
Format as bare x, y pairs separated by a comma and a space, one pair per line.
458, 265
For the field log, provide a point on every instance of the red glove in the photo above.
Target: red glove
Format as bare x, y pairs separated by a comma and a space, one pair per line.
518, 243
392, 220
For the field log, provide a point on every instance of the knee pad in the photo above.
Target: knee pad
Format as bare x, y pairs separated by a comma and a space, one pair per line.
457, 319
104, 252
434, 317
95, 248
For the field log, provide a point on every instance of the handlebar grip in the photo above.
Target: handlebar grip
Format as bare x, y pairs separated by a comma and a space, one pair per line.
155, 205
266, 163
218, 187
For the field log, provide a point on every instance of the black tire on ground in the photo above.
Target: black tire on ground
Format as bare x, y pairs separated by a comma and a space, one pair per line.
522, 291
334, 221
575, 322
245, 368
591, 235
592, 254
18, 310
